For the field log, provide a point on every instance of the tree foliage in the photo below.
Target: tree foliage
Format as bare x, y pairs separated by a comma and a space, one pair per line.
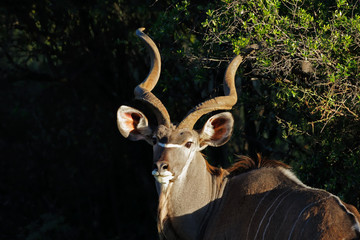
305, 79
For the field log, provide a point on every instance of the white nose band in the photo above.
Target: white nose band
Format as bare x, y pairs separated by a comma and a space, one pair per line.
169, 145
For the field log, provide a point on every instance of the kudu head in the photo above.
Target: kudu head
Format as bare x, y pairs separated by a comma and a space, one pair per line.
175, 146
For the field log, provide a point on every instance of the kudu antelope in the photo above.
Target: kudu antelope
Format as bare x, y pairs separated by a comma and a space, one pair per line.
199, 201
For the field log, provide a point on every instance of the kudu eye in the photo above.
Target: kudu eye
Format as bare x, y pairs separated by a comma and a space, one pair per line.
188, 144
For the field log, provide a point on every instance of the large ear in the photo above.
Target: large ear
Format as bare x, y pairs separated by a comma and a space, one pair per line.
217, 130
133, 124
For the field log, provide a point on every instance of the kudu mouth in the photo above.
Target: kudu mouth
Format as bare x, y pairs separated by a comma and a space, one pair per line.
161, 173
164, 177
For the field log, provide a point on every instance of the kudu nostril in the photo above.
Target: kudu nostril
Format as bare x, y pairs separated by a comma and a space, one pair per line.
164, 166
161, 166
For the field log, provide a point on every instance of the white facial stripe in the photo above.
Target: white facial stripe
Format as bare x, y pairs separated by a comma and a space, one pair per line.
187, 164
169, 145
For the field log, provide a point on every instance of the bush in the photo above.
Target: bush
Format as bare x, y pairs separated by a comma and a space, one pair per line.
305, 97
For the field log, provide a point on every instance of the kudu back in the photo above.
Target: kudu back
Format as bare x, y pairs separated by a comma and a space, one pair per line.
199, 201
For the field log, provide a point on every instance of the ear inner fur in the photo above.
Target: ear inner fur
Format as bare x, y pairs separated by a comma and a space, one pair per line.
132, 123
133, 120
219, 128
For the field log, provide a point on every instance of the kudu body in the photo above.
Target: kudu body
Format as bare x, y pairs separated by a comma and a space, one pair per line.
198, 201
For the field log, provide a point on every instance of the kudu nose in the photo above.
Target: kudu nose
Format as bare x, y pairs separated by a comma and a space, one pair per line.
161, 166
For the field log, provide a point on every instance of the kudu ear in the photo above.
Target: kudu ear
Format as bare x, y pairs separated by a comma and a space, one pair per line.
217, 130
133, 124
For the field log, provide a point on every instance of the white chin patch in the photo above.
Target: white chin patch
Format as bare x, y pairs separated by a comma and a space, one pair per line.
164, 178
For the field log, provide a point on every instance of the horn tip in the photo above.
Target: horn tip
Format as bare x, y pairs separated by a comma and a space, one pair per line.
140, 30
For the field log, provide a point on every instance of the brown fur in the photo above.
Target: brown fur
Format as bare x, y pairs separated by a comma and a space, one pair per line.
264, 204
353, 210
246, 164
215, 171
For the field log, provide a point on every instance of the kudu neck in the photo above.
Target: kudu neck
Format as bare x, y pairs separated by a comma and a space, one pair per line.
185, 205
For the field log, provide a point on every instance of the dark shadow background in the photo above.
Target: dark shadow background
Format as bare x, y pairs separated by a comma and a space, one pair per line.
65, 171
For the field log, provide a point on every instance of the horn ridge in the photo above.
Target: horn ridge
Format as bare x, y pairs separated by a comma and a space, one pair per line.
218, 103
143, 90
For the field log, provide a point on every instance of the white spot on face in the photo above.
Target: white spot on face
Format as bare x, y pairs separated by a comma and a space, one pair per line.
164, 178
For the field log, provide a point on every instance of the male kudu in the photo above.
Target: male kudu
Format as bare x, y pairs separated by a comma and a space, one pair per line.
198, 201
